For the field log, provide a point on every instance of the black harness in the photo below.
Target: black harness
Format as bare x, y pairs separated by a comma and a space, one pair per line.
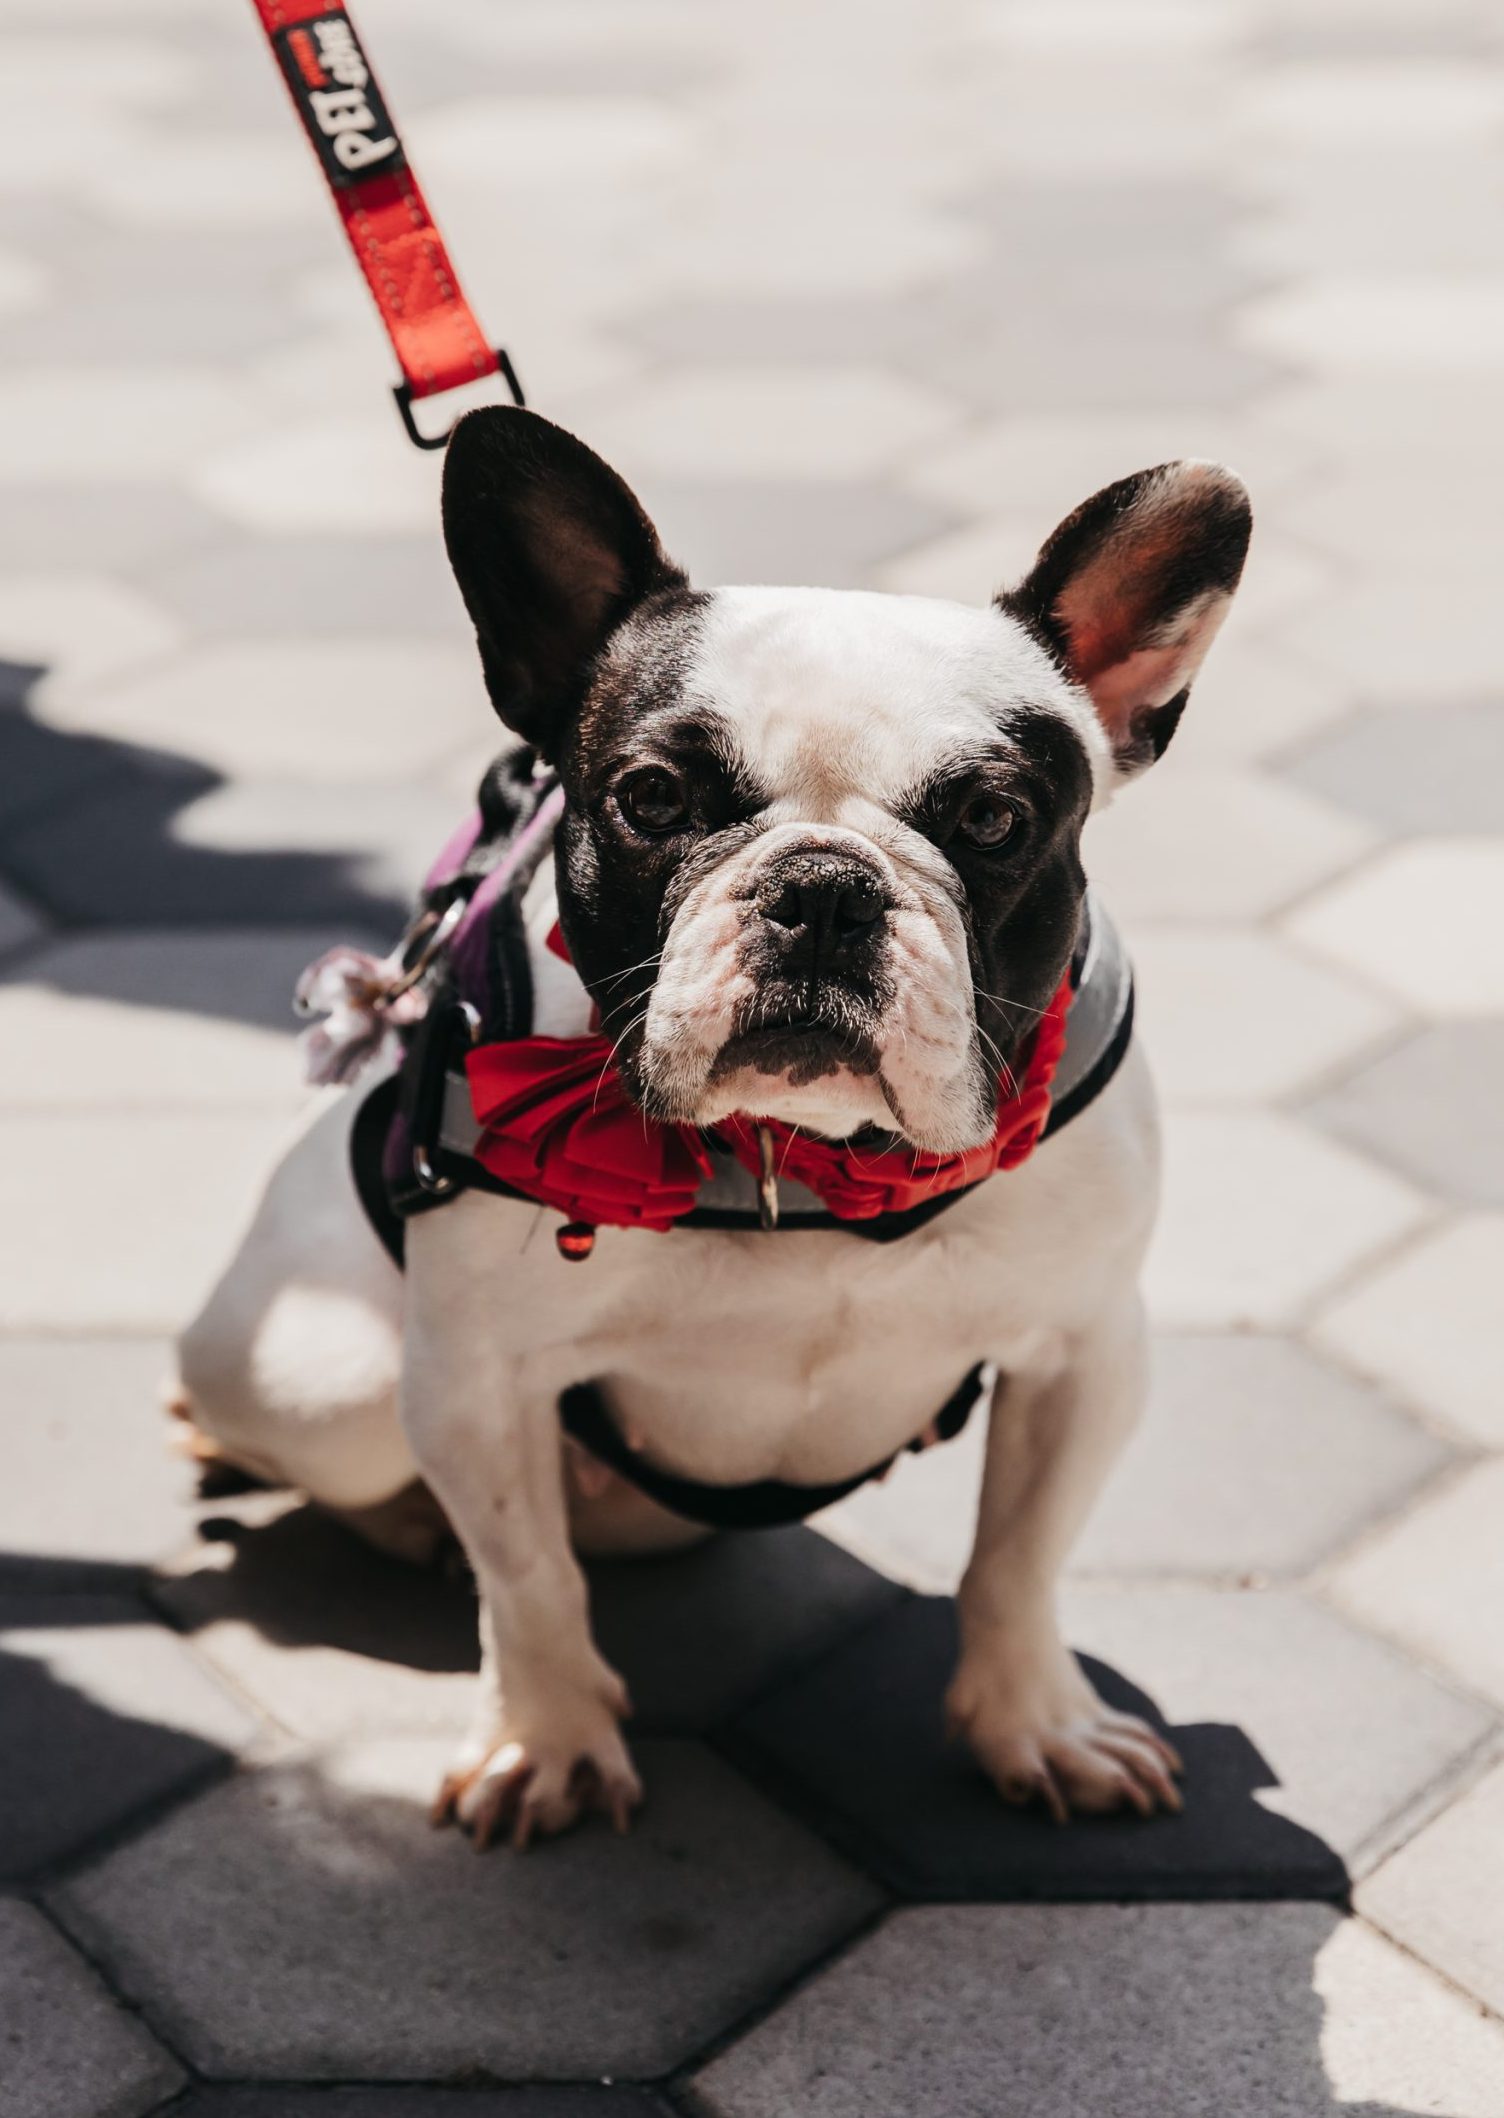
412, 1149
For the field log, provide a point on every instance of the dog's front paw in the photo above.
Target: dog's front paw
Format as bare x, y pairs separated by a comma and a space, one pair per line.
550, 1761
1040, 1733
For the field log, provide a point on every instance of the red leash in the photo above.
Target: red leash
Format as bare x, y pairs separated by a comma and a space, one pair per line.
433, 330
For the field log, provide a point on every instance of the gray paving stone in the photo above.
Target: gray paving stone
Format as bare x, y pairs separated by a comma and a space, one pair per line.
170, 851
1254, 1458
90, 1487
593, 2102
307, 1921
1262, 1692
161, 1001
332, 1638
118, 1715
1438, 768
1440, 1895
858, 1746
1356, 1736
127, 529
1165, 2011
827, 534
236, 583
335, 1640
1430, 1109
67, 2049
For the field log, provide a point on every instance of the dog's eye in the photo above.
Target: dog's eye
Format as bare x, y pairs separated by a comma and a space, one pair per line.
654, 800
985, 822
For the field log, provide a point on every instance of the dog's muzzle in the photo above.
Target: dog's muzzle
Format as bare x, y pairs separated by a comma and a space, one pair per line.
820, 914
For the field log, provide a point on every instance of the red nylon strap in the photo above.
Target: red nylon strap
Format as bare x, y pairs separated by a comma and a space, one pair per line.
433, 330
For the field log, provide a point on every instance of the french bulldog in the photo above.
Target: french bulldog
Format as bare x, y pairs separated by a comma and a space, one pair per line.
819, 861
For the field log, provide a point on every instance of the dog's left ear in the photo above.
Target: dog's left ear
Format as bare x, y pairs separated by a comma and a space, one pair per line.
1129, 593
551, 551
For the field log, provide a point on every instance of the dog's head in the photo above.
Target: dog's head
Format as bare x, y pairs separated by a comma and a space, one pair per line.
820, 857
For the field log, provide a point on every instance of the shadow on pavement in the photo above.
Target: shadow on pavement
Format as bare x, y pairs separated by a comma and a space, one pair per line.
93, 833
209, 1900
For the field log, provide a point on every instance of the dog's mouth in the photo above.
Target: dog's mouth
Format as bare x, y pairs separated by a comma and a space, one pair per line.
798, 1048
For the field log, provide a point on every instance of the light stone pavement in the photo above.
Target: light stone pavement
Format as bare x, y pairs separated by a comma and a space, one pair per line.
856, 294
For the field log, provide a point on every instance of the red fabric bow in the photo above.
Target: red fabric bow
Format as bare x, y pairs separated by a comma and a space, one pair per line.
556, 1126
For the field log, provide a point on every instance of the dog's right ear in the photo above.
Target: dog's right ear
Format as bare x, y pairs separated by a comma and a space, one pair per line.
551, 552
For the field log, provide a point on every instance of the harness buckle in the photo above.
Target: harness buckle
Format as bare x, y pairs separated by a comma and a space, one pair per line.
426, 1116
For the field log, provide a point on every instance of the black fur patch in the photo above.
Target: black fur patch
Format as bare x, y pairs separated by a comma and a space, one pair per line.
551, 552
1022, 899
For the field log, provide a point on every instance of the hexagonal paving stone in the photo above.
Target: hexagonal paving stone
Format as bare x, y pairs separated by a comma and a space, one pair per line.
1429, 1109
90, 1486
190, 1021
214, 179
128, 1216
69, 2050
337, 1641
1403, 633
1041, 467
1419, 920
1439, 768
792, 423
1261, 1692
75, 424
1434, 1580
1170, 2010
1440, 1895
615, 2102
86, 624
1397, 323
162, 848
1428, 1325
826, 535
316, 586
347, 478
344, 711
1204, 842
119, 527
1253, 1459
117, 1714
1254, 699
1260, 1217
1356, 1737
1237, 1017
289, 1924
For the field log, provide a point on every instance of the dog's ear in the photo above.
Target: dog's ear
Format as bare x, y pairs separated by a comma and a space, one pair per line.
1129, 592
551, 552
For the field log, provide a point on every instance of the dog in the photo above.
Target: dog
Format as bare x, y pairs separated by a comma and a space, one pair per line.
818, 867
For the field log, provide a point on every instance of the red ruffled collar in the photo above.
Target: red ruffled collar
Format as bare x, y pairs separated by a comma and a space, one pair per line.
557, 1126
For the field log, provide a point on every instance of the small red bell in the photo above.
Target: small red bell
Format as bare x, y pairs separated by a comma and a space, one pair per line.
576, 1240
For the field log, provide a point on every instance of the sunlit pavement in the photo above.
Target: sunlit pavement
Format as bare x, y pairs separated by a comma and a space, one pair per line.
858, 295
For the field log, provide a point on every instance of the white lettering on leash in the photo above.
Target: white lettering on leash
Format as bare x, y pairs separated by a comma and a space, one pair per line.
343, 114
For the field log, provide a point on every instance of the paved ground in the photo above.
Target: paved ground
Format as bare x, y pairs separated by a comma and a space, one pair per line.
855, 294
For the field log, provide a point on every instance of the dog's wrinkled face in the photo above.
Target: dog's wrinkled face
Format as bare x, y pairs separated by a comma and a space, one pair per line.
825, 845
820, 859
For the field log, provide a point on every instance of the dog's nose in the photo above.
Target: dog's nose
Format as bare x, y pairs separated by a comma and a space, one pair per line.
823, 902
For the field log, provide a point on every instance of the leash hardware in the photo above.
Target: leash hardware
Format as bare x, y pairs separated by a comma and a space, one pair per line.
767, 1179
435, 1065
421, 944
403, 392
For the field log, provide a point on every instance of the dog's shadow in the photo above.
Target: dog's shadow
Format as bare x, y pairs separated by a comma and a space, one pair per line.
308, 1583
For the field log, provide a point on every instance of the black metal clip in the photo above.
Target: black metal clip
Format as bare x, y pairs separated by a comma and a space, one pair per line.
403, 392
